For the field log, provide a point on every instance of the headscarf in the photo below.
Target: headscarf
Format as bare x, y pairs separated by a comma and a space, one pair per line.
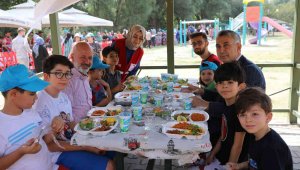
130, 34
39, 41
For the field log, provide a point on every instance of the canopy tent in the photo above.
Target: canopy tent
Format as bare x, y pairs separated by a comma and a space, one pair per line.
28, 8
10, 20
86, 19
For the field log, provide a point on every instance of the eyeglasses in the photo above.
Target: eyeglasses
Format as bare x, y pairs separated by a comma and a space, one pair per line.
194, 44
60, 75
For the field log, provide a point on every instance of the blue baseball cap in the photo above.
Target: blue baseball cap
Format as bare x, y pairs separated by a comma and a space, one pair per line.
90, 35
97, 63
207, 65
19, 76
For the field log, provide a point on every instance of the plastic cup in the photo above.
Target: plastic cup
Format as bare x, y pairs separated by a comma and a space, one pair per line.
164, 76
124, 121
175, 78
143, 97
137, 112
154, 83
187, 104
170, 87
158, 100
135, 99
145, 86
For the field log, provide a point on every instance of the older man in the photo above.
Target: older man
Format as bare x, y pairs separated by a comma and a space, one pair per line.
228, 45
200, 45
78, 89
21, 47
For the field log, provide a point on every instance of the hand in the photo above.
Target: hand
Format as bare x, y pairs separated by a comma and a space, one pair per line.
192, 87
104, 84
120, 87
57, 124
30, 147
94, 150
232, 166
198, 101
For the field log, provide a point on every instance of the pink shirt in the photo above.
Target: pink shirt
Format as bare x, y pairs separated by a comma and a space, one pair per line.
80, 95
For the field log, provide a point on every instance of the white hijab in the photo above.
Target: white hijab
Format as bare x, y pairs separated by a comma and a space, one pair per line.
129, 36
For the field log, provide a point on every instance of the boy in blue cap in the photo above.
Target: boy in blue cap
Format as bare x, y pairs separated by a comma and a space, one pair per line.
20, 147
207, 72
101, 93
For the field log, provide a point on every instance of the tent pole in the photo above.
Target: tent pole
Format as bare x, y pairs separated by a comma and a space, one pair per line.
170, 36
55, 40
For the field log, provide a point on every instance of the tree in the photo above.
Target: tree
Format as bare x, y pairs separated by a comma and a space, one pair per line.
5, 5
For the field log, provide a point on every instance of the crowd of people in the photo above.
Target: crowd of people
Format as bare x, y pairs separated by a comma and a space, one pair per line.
232, 91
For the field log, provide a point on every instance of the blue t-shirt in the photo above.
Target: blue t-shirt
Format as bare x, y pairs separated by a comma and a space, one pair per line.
98, 93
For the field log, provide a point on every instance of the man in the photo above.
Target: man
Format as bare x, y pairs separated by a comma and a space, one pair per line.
6, 42
21, 47
228, 46
200, 45
78, 89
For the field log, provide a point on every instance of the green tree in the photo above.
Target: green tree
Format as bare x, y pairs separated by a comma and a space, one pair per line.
5, 5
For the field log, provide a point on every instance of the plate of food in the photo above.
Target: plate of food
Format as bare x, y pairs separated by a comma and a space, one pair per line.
177, 95
111, 111
189, 130
123, 97
96, 127
190, 115
183, 82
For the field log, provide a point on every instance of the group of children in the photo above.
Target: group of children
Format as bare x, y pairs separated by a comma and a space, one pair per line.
37, 127
238, 125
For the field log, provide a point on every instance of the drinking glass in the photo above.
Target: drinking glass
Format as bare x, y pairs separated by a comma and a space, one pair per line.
149, 116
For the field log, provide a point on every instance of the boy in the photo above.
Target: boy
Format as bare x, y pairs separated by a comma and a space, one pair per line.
267, 150
20, 144
112, 76
52, 102
101, 94
230, 80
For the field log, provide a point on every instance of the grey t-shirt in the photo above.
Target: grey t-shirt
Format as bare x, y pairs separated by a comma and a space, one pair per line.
112, 79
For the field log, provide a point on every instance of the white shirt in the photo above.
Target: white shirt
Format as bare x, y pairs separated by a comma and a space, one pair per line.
21, 47
48, 107
16, 131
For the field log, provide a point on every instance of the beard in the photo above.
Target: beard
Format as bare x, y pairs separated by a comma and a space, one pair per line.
200, 52
81, 69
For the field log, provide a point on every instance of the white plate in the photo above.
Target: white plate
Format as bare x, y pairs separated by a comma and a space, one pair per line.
190, 112
123, 97
169, 126
90, 112
95, 133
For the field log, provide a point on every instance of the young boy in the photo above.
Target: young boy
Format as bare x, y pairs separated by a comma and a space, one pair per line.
230, 80
20, 144
112, 76
101, 94
52, 102
267, 150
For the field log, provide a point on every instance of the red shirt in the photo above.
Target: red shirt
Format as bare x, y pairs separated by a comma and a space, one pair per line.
213, 58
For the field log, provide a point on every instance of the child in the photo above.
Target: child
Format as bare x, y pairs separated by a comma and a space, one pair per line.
112, 76
101, 94
52, 102
20, 144
267, 150
207, 71
227, 146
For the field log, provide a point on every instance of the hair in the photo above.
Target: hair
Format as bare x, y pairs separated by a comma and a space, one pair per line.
197, 34
69, 35
4, 94
107, 50
231, 34
250, 97
230, 71
53, 60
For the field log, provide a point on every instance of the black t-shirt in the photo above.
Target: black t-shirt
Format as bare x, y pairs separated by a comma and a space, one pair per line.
228, 125
270, 152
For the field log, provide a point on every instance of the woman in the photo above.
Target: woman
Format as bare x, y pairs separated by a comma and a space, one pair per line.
67, 44
94, 45
77, 38
39, 53
130, 51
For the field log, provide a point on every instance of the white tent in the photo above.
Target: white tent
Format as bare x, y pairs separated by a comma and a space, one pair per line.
27, 10
86, 19
10, 20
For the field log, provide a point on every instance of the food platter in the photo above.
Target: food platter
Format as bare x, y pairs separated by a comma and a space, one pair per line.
188, 130
111, 111
96, 127
197, 115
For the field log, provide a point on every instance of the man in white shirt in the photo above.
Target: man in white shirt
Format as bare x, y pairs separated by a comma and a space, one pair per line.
21, 47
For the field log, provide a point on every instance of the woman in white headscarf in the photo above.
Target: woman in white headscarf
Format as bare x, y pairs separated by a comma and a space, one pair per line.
39, 53
130, 51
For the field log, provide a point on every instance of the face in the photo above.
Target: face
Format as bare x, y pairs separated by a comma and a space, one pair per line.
255, 120
22, 33
23, 100
96, 74
82, 58
228, 89
207, 76
137, 39
112, 58
90, 39
199, 45
77, 39
228, 49
56, 79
